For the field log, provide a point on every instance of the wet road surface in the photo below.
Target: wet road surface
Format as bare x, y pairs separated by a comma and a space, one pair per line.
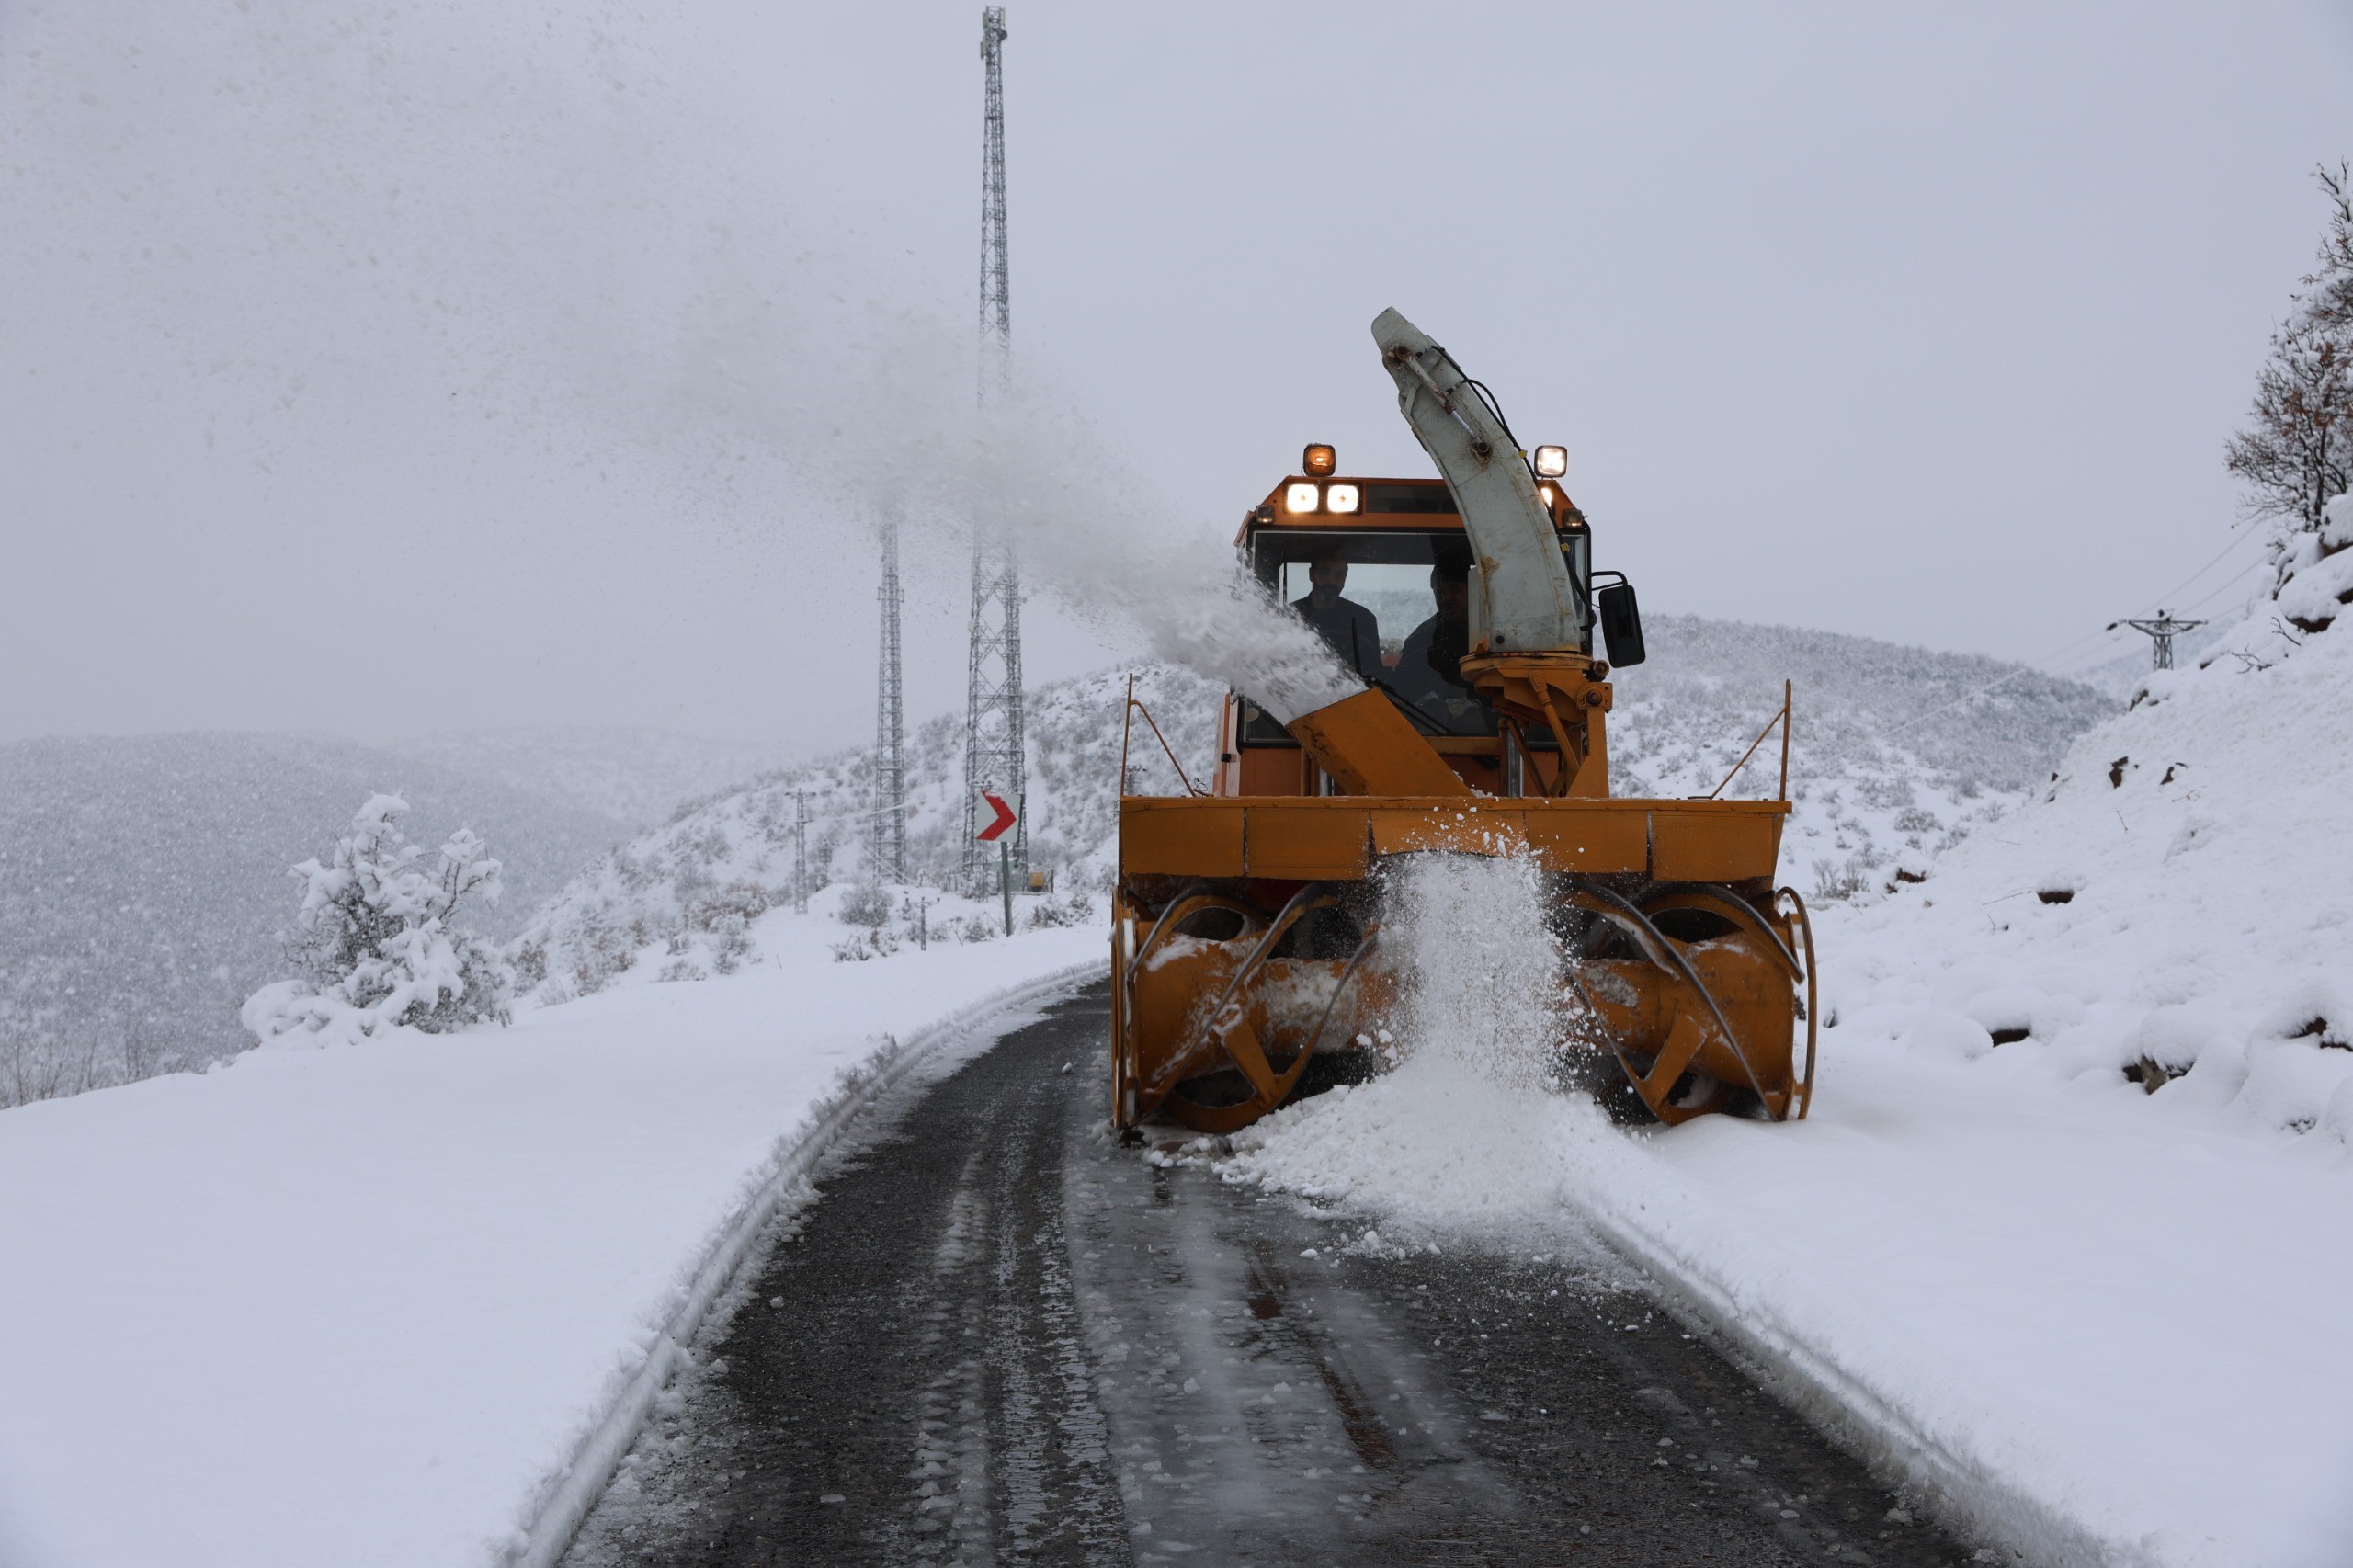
1003, 1338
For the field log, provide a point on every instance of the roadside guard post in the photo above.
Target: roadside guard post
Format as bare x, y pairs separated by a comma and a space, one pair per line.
1005, 812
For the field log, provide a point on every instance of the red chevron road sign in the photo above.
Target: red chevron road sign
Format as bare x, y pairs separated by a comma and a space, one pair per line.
1006, 817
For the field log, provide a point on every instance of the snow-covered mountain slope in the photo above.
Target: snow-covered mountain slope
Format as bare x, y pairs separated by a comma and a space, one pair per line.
735, 852
2175, 905
637, 778
1897, 752
142, 884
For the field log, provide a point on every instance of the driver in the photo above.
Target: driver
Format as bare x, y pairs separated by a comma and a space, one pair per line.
1353, 630
1429, 669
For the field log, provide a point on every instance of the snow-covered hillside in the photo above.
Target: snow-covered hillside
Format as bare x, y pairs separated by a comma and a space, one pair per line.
1897, 752
677, 886
143, 880
2176, 904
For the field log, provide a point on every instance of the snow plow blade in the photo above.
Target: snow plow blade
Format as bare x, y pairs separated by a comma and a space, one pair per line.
1246, 918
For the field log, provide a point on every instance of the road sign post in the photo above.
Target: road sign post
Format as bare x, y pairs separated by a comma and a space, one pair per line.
1005, 812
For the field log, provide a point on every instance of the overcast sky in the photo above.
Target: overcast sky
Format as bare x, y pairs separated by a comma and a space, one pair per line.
415, 367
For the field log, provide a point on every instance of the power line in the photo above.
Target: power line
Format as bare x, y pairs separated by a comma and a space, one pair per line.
2170, 593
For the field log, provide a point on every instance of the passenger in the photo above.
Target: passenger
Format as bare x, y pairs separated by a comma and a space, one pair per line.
1353, 630
1429, 670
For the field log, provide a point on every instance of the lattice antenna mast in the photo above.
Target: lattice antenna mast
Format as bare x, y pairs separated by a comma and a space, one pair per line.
801, 852
2162, 632
890, 845
993, 755
996, 298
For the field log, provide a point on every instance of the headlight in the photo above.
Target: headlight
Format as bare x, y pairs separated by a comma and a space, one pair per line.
1300, 498
1552, 463
1339, 498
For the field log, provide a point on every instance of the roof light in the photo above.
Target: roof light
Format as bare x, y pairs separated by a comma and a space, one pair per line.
1552, 463
1550, 495
1340, 498
1300, 498
1320, 461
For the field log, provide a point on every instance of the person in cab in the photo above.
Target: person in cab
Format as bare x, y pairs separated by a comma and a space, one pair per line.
1353, 630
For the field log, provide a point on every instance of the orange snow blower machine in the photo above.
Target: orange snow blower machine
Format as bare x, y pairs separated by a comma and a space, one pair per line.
1247, 923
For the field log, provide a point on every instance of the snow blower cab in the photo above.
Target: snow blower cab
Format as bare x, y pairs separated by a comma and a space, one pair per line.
1247, 920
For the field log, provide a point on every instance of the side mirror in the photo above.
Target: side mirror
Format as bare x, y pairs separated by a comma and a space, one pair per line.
1621, 624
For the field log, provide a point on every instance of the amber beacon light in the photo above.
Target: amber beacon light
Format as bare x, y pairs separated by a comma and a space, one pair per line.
1320, 461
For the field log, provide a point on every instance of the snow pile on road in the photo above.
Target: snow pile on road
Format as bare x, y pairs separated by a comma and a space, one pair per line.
365, 1304
1456, 1134
2060, 1245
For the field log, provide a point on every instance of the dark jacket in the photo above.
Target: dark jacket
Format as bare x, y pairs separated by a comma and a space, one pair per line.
1432, 658
1353, 632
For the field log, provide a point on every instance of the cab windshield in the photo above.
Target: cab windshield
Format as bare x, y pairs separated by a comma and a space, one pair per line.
1411, 587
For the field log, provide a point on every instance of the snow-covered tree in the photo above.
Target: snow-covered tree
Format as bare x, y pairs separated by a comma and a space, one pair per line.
373, 945
2297, 454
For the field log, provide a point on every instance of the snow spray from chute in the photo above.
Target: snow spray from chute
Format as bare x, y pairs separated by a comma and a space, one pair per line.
878, 405
1480, 973
1088, 530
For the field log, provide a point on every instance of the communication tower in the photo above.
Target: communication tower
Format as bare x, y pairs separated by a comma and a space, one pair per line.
992, 716
890, 843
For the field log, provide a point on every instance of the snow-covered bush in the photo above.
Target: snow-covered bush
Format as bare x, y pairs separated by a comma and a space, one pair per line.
877, 942
867, 904
1076, 910
372, 944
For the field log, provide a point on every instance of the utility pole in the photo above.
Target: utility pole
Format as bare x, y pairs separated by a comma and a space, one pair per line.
2162, 632
890, 836
993, 755
801, 852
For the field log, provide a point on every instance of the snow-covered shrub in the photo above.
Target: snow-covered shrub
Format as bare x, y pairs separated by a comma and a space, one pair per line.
726, 915
372, 944
877, 942
866, 904
1076, 910
738, 904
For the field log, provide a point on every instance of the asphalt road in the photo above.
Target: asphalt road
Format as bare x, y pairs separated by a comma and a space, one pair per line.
1001, 1336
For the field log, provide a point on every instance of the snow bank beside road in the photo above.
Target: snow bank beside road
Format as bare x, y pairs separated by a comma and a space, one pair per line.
361, 1305
2100, 1336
